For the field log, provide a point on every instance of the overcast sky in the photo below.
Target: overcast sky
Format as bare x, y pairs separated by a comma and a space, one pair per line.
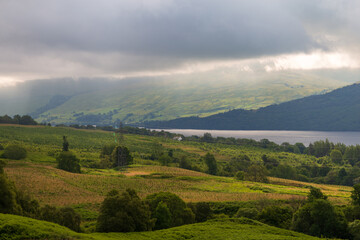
117, 38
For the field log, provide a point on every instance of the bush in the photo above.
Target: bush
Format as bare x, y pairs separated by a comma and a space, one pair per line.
276, 216
201, 210
354, 229
124, 212
14, 152
180, 214
64, 216
240, 175
69, 162
256, 173
251, 213
1, 147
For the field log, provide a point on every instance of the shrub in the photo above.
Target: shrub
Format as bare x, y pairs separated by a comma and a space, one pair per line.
201, 210
1, 147
124, 212
69, 162
354, 229
276, 216
180, 214
247, 212
14, 152
256, 173
107, 150
64, 216
240, 175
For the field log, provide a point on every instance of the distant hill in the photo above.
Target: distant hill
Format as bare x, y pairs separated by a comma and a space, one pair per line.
103, 101
338, 110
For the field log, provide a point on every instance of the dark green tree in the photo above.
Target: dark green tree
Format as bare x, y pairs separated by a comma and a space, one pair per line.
201, 210
124, 212
163, 216
65, 147
314, 194
180, 214
211, 164
69, 162
320, 218
185, 163
336, 156
121, 157
355, 194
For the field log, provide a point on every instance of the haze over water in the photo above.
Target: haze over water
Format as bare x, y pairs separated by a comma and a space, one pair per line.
305, 137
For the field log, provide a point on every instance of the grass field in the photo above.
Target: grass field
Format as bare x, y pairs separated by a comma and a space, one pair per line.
38, 176
15, 227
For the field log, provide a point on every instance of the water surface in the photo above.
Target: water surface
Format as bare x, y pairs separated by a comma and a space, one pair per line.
305, 137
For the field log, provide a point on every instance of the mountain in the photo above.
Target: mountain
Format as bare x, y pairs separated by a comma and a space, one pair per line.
338, 110
104, 101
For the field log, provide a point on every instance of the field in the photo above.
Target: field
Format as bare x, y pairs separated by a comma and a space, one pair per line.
38, 176
214, 229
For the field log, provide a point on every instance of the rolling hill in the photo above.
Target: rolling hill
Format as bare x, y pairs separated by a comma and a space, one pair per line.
104, 101
338, 110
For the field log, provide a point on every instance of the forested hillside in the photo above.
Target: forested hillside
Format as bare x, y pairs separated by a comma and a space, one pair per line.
338, 110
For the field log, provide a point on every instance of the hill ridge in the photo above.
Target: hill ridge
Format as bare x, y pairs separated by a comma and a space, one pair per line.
338, 110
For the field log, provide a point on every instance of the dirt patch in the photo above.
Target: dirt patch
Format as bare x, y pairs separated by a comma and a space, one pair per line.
134, 173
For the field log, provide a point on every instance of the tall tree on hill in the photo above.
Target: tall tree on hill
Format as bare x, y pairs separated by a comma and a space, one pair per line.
65, 147
211, 163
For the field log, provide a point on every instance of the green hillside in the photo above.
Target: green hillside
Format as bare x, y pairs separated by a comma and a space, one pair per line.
334, 111
15, 228
105, 101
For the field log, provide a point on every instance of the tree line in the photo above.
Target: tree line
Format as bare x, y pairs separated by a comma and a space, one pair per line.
17, 119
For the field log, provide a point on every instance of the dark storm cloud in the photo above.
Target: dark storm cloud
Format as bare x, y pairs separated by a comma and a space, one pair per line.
130, 35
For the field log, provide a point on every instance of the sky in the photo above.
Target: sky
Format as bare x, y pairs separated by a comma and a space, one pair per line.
111, 38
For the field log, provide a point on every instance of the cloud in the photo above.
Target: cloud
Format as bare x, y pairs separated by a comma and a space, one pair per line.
111, 38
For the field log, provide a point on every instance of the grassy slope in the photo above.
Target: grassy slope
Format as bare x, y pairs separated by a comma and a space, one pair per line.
37, 174
173, 98
16, 227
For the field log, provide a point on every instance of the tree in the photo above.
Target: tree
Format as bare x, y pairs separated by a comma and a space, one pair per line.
121, 157
355, 194
201, 210
65, 147
256, 173
69, 162
124, 212
320, 218
8, 202
164, 160
207, 137
211, 163
180, 214
314, 194
184, 163
15, 152
336, 156
163, 216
